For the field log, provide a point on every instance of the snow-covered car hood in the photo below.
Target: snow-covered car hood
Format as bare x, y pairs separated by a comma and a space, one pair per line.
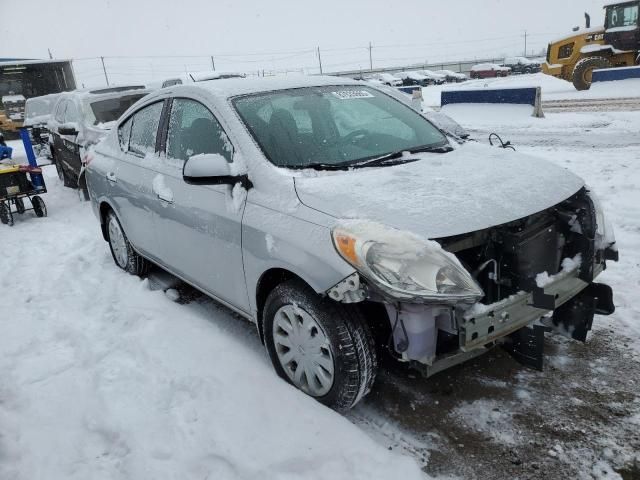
471, 188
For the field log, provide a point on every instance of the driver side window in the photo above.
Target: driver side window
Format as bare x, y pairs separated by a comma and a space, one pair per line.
194, 130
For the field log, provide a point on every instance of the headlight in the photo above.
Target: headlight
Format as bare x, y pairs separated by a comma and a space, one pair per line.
604, 231
403, 265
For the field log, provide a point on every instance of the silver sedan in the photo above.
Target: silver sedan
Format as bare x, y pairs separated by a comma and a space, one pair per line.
346, 225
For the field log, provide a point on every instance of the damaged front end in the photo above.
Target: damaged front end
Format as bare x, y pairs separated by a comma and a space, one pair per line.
504, 285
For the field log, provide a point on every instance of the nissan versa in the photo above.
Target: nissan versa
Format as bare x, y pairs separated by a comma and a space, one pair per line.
343, 223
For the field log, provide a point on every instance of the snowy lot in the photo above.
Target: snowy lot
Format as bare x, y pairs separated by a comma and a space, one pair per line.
101, 377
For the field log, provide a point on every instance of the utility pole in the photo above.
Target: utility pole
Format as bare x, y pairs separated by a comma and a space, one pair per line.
50, 55
525, 43
319, 61
213, 64
370, 58
104, 69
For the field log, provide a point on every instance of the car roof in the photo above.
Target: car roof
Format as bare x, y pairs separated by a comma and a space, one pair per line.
232, 87
89, 95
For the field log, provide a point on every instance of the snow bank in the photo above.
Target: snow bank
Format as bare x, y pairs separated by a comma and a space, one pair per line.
102, 378
552, 88
467, 114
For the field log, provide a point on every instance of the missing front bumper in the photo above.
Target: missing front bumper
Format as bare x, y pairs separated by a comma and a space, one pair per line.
487, 324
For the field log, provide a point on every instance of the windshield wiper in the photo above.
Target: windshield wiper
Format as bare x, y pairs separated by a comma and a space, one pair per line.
395, 158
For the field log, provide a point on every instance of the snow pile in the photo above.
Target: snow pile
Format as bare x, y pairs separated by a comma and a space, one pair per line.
100, 377
552, 88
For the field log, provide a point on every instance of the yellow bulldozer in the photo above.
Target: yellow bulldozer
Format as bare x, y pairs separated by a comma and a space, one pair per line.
616, 44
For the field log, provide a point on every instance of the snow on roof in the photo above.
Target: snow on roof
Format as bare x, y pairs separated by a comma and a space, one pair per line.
30, 62
13, 98
582, 31
609, 4
243, 86
488, 66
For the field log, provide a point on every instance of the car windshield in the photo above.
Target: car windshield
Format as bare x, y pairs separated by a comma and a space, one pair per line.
333, 126
37, 107
104, 111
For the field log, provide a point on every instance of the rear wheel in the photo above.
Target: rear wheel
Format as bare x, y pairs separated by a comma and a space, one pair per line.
321, 347
39, 206
583, 71
121, 249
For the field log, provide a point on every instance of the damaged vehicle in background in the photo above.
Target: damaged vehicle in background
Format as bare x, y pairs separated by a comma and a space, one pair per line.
80, 119
344, 224
37, 114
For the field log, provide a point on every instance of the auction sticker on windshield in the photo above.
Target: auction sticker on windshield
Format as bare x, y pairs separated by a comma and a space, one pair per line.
349, 94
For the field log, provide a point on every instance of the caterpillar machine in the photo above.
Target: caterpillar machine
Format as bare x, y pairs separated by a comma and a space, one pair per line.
616, 44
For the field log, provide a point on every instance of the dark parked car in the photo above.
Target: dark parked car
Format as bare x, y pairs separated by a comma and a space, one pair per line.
81, 119
520, 65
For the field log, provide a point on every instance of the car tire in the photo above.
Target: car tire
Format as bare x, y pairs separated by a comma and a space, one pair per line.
39, 206
304, 332
584, 69
121, 249
6, 216
20, 206
66, 181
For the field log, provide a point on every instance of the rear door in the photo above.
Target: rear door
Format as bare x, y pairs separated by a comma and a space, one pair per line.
199, 226
69, 146
56, 140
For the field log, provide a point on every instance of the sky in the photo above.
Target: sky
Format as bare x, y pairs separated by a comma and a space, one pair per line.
170, 36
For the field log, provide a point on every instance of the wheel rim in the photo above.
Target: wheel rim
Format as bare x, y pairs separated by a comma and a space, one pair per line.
588, 74
303, 350
117, 241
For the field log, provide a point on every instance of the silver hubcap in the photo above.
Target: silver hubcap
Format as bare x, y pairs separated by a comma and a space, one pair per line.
116, 239
303, 350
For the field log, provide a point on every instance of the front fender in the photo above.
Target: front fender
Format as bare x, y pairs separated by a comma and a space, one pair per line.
271, 239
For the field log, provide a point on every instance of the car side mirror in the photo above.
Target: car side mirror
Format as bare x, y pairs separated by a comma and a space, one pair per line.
67, 129
211, 169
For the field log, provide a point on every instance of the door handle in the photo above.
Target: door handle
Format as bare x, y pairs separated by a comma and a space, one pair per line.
167, 198
111, 177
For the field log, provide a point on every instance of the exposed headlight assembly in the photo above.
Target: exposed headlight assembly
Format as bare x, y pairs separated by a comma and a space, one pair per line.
403, 265
604, 237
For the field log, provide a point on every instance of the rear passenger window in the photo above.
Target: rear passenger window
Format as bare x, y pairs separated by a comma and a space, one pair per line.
71, 114
194, 130
60, 111
145, 129
124, 133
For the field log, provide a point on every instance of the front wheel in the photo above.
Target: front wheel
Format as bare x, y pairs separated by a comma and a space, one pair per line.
583, 72
321, 347
121, 249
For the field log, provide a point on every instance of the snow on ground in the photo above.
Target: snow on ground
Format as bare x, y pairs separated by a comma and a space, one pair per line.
100, 377
552, 88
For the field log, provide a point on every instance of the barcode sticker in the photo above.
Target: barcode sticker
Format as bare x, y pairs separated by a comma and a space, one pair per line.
350, 94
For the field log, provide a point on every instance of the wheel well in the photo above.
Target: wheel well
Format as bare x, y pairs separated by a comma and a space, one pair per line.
104, 209
268, 281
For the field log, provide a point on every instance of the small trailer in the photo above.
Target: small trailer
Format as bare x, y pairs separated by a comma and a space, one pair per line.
18, 182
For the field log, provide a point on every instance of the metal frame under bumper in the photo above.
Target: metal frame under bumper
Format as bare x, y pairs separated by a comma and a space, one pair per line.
517, 311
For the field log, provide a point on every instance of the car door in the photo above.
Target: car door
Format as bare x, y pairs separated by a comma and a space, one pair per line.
131, 178
56, 140
69, 144
199, 227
